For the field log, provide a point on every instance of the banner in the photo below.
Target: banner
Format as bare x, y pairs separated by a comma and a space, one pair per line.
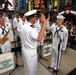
6, 62
46, 50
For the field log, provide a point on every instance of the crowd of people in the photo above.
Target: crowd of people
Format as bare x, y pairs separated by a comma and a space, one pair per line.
69, 23
29, 29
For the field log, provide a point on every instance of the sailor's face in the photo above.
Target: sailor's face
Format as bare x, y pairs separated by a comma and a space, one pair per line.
34, 19
23, 18
17, 15
59, 21
2, 22
4, 14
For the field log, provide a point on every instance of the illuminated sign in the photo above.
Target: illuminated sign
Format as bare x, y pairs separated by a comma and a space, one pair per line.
36, 3
21, 4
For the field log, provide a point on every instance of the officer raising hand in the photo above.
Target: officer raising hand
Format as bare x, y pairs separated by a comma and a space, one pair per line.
29, 39
43, 22
42, 19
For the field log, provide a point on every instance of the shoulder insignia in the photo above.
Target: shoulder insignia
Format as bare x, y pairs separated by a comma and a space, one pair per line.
32, 26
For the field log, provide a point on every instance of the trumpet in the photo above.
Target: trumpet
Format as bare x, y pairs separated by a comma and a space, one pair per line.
5, 38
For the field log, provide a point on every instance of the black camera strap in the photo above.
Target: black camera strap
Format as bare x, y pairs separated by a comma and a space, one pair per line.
3, 29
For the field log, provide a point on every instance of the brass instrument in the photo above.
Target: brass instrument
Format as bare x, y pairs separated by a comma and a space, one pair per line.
5, 38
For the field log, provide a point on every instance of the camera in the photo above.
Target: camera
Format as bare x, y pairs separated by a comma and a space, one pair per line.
45, 12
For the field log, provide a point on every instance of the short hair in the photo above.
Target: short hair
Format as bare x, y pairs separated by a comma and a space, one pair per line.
21, 15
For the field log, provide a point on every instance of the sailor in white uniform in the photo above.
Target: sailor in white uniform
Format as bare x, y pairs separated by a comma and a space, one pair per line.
15, 21
22, 22
6, 18
38, 27
7, 21
60, 34
5, 29
19, 26
29, 38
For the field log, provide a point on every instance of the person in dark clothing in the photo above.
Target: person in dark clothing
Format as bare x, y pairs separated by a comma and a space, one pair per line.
1, 2
68, 6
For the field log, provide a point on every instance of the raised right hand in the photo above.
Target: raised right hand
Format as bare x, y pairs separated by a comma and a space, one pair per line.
43, 19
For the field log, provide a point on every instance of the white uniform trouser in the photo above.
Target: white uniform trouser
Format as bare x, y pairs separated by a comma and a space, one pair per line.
55, 58
30, 61
16, 34
6, 47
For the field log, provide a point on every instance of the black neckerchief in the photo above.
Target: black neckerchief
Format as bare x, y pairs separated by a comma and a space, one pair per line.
3, 29
17, 20
57, 31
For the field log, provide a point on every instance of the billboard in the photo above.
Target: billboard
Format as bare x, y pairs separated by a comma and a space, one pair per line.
6, 5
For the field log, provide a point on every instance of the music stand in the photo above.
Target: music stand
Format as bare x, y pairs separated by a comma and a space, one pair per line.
15, 50
40, 57
16, 64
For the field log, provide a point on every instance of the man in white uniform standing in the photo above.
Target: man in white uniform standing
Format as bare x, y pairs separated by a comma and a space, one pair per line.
21, 22
29, 38
5, 33
60, 36
19, 26
6, 18
15, 22
38, 27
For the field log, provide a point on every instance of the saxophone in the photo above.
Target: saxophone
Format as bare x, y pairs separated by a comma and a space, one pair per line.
5, 38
